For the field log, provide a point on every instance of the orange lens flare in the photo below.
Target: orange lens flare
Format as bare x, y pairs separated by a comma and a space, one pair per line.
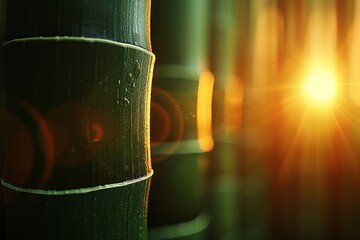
96, 132
204, 105
160, 128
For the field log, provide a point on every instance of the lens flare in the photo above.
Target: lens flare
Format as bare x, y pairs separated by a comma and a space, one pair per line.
204, 105
320, 87
96, 132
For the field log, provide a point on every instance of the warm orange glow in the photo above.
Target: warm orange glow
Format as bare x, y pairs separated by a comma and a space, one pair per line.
313, 112
204, 104
320, 86
322, 37
20, 152
167, 124
233, 104
96, 132
46, 142
321, 79
353, 55
265, 55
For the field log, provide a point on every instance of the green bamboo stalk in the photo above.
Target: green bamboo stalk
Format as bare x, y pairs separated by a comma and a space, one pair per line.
78, 81
179, 37
225, 205
120, 21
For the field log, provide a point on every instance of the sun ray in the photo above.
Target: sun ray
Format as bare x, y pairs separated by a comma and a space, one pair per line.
348, 114
347, 151
288, 159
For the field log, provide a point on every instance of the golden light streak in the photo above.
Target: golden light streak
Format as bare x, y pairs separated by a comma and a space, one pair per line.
321, 78
322, 37
204, 109
353, 58
312, 103
267, 41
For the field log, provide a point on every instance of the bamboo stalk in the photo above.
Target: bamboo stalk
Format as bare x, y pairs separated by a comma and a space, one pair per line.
78, 77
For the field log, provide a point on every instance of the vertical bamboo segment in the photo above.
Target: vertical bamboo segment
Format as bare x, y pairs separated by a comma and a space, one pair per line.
180, 120
351, 171
283, 168
264, 57
78, 82
227, 25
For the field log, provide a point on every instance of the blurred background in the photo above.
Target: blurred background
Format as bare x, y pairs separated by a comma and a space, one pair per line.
255, 112
254, 119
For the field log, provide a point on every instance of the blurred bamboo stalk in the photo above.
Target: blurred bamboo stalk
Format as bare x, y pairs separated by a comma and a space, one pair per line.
226, 29
264, 51
181, 119
350, 208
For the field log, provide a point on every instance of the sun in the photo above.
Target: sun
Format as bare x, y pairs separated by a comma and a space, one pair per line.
320, 87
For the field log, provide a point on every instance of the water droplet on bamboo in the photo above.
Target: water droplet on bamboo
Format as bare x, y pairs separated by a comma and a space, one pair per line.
126, 102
